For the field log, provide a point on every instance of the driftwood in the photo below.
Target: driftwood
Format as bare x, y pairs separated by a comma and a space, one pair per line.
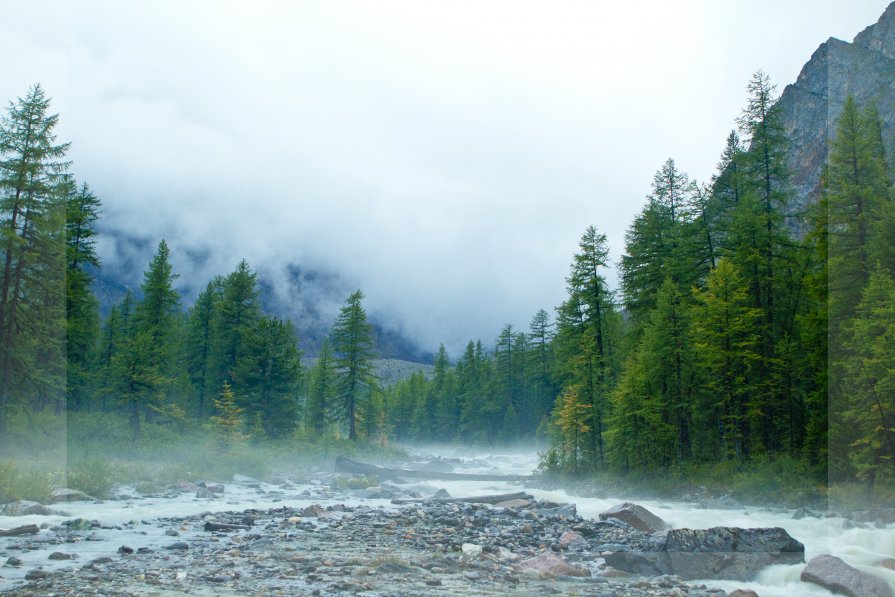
28, 529
478, 499
223, 526
346, 465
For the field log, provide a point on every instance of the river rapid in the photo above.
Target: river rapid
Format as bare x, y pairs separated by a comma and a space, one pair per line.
862, 546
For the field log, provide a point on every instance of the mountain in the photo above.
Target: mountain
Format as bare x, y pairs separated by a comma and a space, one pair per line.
309, 298
810, 107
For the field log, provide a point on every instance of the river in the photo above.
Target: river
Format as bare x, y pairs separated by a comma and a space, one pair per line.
862, 547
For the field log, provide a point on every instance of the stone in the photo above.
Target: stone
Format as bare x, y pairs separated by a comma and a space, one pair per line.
835, 575
61, 555
548, 563
513, 504
570, 538
64, 494
637, 516
14, 561
178, 546
722, 503
888, 563
727, 553
471, 550
36, 574
28, 529
202, 493
25, 508
313, 511
245, 480
442, 494
79, 524
742, 593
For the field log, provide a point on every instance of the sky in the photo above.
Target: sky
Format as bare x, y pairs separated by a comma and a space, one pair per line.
444, 156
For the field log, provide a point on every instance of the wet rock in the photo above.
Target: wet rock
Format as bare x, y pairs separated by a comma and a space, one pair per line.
28, 529
441, 494
548, 563
722, 552
215, 488
14, 561
637, 516
25, 508
36, 574
178, 546
722, 503
570, 538
246, 481
124, 549
80, 524
888, 563
61, 555
313, 511
805, 513
203, 493
64, 494
742, 593
171, 533
471, 550
835, 575
513, 504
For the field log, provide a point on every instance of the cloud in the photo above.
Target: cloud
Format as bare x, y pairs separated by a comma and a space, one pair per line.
443, 156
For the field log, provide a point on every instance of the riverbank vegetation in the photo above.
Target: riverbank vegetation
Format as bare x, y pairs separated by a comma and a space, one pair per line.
753, 332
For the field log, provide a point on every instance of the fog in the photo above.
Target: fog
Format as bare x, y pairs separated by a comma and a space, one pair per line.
445, 157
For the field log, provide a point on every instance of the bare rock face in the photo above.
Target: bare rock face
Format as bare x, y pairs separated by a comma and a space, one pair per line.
728, 553
810, 107
548, 564
835, 575
637, 516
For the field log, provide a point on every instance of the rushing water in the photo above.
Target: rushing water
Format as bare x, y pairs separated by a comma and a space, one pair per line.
863, 548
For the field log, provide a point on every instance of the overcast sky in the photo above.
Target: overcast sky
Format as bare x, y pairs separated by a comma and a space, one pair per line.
444, 156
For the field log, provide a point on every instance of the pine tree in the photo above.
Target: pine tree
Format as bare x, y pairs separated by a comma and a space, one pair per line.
33, 187
239, 312
353, 343
202, 327
82, 307
321, 406
268, 374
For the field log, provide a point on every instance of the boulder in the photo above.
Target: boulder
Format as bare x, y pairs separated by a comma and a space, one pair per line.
64, 494
722, 503
637, 516
442, 494
742, 593
25, 508
835, 575
548, 563
728, 553
570, 538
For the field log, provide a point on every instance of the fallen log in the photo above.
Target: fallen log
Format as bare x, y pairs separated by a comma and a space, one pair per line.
28, 529
478, 499
346, 465
223, 526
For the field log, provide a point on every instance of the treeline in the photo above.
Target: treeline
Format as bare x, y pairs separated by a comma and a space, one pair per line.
747, 325
222, 363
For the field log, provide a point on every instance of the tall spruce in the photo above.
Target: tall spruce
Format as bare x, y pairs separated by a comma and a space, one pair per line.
353, 344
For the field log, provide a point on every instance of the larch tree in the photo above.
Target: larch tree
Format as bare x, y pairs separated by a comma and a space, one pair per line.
353, 343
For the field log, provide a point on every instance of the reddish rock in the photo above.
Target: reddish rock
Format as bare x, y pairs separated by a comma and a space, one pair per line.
742, 593
637, 516
569, 538
548, 563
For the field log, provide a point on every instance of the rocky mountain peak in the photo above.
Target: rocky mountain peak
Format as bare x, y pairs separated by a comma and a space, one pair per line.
881, 36
811, 106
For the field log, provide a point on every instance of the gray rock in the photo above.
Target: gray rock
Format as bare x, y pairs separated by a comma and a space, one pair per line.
835, 575
723, 553
637, 516
742, 593
722, 503
63, 494
178, 546
441, 494
548, 563
14, 561
810, 107
25, 508
246, 480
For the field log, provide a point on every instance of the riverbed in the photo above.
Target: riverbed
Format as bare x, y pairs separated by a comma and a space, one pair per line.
154, 522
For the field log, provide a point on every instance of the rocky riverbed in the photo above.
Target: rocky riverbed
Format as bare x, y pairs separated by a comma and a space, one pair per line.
522, 548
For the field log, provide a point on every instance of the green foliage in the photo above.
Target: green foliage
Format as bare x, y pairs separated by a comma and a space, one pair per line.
353, 343
95, 477
32, 485
228, 424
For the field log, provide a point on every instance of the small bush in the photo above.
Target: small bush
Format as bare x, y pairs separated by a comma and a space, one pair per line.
95, 477
33, 485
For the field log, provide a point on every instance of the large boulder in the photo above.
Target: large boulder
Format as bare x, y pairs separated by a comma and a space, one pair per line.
835, 575
26, 508
64, 494
727, 553
637, 516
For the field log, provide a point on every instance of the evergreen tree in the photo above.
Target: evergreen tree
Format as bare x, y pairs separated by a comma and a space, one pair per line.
353, 343
33, 187
82, 307
322, 390
229, 421
239, 312
202, 327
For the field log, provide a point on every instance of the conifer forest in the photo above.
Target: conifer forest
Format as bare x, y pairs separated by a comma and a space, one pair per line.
746, 326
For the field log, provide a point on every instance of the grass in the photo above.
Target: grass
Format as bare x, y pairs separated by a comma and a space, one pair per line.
94, 453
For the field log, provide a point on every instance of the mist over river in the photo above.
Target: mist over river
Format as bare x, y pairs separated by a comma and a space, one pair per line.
132, 520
